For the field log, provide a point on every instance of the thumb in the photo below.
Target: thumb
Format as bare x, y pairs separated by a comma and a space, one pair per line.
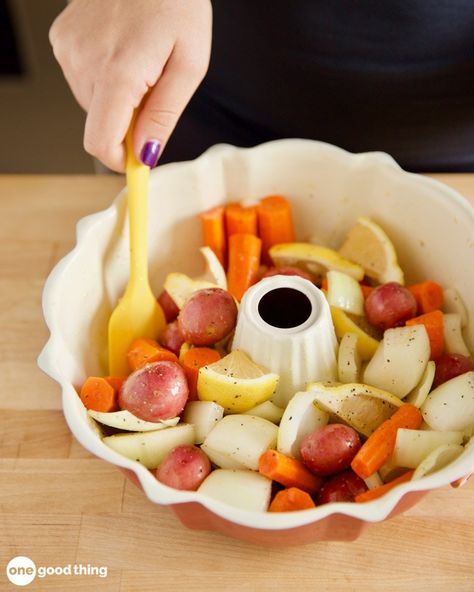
163, 107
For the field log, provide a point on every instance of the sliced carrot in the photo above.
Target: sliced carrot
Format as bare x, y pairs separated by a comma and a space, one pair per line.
380, 444
116, 381
434, 324
366, 290
275, 223
377, 492
244, 261
144, 351
239, 218
213, 232
291, 500
324, 284
288, 471
97, 394
193, 359
428, 295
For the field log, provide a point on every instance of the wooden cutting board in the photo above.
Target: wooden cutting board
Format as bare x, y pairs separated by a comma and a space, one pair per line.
61, 507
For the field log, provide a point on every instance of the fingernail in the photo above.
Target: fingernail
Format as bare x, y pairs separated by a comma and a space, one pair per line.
150, 152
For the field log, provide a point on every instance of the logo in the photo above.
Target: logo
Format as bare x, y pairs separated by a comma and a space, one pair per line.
22, 570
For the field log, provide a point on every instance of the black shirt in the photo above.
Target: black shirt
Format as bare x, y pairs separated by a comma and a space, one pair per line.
391, 75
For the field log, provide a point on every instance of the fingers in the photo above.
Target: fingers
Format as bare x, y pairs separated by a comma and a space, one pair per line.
110, 112
164, 105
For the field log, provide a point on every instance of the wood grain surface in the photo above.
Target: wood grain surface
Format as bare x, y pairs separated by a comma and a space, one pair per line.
60, 506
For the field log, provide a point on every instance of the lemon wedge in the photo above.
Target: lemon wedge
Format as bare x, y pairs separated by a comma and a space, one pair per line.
361, 406
180, 286
236, 383
314, 258
345, 323
368, 245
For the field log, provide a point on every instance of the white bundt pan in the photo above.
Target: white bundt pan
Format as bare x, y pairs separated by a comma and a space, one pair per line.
432, 228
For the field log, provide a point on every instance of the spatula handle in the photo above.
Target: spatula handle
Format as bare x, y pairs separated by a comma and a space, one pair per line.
137, 200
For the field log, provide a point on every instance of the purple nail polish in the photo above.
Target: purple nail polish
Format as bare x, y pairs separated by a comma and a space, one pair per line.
150, 152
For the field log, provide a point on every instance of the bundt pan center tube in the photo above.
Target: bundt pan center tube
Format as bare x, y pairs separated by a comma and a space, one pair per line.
285, 325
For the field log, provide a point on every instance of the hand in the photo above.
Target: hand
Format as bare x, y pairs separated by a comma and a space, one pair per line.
114, 52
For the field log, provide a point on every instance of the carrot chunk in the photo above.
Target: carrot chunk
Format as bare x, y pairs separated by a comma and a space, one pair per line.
116, 381
240, 219
380, 444
213, 232
97, 394
144, 351
377, 492
193, 359
244, 262
291, 500
434, 324
428, 295
288, 472
275, 223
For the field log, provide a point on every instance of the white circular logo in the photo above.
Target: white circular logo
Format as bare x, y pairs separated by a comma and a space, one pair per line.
21, 571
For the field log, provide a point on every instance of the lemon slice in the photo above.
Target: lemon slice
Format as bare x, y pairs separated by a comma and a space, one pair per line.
345, 323
314, 258
180, 287
368, 245
236, 383
361, 406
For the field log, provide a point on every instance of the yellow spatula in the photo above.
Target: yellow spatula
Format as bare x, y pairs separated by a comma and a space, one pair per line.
138, 313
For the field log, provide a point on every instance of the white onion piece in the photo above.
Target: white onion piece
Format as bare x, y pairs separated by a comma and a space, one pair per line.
453, 339
242, 438
418, 395
348, 359
437, 460
300, 418
267, 410
203, 415
450, 406
243, 489
412, 446
400, 360
345, 292
452, 302
124, 420
150, 448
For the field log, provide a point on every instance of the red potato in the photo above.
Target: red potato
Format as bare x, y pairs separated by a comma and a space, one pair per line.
185, 467
330, 449
207, 316
449, 366
342, 487
288, 270
169, 306
390, 305
172, 338
155, 391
